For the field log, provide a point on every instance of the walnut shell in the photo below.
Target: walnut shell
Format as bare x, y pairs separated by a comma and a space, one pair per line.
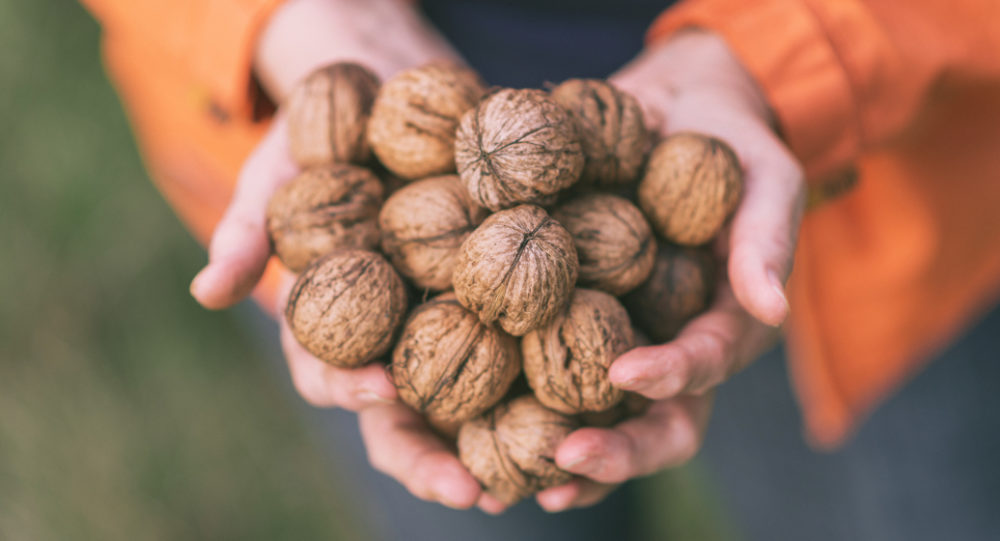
615, 245
518, 268
632, 405
328, 114
517, 146
566, 362
423, 225
511, 449
321, 210
449, 366
612, 131
413, 121
692, 184
345, 307
679, 288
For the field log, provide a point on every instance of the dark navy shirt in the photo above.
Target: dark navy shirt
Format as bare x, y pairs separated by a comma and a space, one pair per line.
527, 43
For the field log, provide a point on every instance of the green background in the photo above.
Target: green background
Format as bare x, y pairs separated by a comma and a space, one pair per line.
126, 411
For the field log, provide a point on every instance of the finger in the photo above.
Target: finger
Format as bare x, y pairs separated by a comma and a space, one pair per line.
764, 233
323, 385
401, 445
489, 504
240, 248
579, 492
708, 350
668, 435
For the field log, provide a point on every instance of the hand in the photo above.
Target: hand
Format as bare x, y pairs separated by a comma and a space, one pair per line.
693, 82
387, 35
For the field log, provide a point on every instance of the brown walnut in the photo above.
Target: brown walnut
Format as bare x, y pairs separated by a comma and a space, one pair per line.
518, 268
324, 209
679, 288
613, 241
423, 225
328, 114
692, 184
517, 146
345, 307
612, 131
413, 121
511, 449
449, 366
566, 362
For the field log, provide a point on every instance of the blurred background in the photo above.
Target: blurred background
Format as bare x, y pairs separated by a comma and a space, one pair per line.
127, 411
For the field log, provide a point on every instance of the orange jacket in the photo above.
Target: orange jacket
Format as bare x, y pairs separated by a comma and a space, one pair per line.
906, 92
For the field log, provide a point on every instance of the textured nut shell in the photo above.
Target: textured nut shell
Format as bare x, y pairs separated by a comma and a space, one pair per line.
678, 289
328, 114
566, 362
613, 241
518, 268
345, 307
692, 184
517, 146
321, 210
449, 366
612, 131
511, 449
413, 122
423, 225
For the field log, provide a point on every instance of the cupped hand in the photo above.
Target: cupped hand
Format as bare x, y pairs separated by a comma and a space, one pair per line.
694, 83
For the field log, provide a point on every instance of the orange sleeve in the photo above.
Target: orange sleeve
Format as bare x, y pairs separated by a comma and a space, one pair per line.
844, 75
213, 40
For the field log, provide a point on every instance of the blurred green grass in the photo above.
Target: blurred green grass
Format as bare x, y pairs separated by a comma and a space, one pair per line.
126, 411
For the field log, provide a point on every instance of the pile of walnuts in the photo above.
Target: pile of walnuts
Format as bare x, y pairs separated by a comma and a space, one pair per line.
521, 222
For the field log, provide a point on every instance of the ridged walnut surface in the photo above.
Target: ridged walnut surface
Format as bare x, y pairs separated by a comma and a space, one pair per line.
324, 209
692, 184
518, 146
612, 130
566, 362
679, 288
511, 449
423, 225
345, 307
328, 115
449, 366
413, 122
613, 241
518, 268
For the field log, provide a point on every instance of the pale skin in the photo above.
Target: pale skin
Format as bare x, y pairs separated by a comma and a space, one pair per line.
690, 82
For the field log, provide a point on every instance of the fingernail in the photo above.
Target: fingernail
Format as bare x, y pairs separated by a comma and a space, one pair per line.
779, 290
196, 284
582, 465
371, 398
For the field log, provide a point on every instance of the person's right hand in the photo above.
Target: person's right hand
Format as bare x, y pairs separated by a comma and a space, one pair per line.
385, 35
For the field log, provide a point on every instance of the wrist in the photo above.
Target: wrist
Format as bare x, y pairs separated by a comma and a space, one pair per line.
384, 35
693, 66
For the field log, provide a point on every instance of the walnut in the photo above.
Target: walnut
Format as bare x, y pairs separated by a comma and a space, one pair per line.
518, 268
345, 307
423, 225
449, 366
632, 405
327, 115
612, 131
566, 362
324, 209
692, 184
413, 122
613, 241
511, 449
517, 146
679, 288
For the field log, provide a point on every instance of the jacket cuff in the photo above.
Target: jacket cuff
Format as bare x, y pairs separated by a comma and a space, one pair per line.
225, 39
784, 47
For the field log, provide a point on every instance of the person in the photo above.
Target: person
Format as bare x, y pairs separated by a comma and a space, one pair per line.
866, 129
